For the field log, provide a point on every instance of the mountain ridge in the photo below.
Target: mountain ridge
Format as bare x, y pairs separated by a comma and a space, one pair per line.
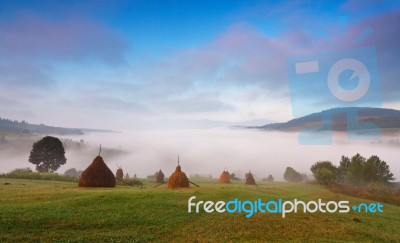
337, 119
23, 127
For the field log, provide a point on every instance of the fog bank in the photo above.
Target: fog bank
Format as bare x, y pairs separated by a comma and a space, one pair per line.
209, 151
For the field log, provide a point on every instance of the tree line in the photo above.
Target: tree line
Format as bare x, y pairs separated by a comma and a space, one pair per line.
354, 171
48, 155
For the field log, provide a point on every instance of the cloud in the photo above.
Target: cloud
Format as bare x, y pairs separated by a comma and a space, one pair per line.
241, 65
239, 57
239, 72
30, 44
24, 73
384, 36
368, 7
75, 38
243, 58
202, 102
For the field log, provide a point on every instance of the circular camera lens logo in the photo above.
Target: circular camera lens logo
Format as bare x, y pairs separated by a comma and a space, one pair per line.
358, 69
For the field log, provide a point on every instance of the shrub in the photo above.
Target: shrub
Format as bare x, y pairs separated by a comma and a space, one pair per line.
292, 175
73, 173
29, 175
324, 172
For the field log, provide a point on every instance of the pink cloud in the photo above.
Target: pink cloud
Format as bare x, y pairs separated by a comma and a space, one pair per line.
384, 33
30, 46
240, 56
243, 56
362, 6
29, 35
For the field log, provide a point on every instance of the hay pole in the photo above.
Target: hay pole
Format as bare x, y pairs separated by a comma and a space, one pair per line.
194, 184
158, 185
100, 150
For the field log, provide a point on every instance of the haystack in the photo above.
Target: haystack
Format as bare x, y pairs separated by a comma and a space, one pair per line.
160, 177
178, 179
119, 174
225, 177
250, 179
97, 175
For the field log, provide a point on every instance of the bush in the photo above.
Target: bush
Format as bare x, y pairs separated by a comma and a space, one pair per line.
73, 173
292, 175
373, 191
233, 177
325, 173
29, 175
134, 182
359, 177
268, 178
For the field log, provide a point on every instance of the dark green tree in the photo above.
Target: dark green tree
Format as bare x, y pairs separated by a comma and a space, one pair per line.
292, 175
376, 170
47, 154
325, 172
343, 169
355, 171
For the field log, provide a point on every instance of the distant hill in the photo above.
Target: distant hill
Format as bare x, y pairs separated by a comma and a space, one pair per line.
383, 118
22, 127
196, 124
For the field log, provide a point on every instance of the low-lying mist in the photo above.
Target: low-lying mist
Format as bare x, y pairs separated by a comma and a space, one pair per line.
207, 152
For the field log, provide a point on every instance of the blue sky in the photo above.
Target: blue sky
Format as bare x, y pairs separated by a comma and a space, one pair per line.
108, 64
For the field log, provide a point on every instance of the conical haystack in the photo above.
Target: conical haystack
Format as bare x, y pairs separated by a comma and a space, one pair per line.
97, 175
178, 179
119, 174
160, 177
225, 177
250, 179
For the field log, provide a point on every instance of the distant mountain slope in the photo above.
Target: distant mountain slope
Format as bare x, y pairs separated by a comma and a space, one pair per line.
12, 126
7, 125
196, 124
383, 118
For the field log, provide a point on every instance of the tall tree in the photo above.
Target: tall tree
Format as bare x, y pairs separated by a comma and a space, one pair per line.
47, 154
355, 171
343, 169
376, 170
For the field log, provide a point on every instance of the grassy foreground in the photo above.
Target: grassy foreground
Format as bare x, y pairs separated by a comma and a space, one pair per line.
60, 211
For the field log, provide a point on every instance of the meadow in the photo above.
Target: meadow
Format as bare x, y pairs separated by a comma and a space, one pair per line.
36, 210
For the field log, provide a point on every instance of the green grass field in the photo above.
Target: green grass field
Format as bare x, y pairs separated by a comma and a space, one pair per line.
61, 211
